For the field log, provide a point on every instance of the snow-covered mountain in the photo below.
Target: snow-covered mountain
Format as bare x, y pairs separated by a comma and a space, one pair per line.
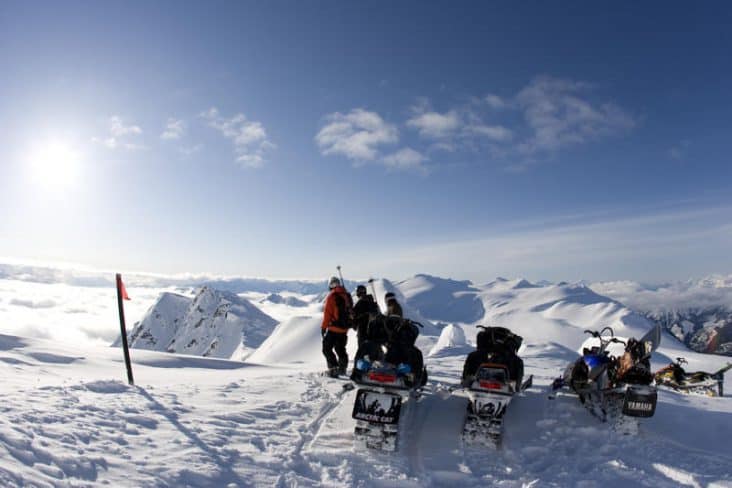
213, 323
697, 312
70, 419
290, 301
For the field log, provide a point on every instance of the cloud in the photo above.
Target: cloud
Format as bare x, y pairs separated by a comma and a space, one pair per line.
647, 246
560, 113
120, 135
188, 150
494, 101
248, 136
405, 159
33, 303
435, 125
547, 115
357, 135
496, 133
678, 152
174, 129
118, 129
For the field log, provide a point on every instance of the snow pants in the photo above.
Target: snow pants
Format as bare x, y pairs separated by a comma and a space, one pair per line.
333, 341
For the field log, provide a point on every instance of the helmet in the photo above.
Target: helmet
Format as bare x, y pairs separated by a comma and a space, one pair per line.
334, 281
360, 290
389, 296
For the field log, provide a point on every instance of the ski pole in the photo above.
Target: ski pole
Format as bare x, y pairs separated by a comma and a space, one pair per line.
340, 275
373, 290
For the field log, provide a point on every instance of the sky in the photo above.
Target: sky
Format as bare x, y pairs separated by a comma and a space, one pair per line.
279, 139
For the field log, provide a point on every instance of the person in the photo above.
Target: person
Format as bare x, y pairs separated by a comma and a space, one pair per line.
391, 339
392, 306
495, 345
337, 319
363, 311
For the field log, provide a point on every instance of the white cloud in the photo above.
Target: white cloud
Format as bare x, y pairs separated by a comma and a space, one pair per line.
188, 150
559, 113
120, 135
405, 159
678, 152
356, 135
435, 125
656, 245
248, 136
118, 129
494, 101
174, 129
496, 133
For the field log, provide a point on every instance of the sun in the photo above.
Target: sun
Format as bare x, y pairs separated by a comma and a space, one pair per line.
54, 163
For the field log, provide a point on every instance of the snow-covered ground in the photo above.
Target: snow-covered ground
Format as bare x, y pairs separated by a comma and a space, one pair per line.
69, 418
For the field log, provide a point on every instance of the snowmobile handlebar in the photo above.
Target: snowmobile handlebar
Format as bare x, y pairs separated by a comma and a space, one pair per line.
594, 333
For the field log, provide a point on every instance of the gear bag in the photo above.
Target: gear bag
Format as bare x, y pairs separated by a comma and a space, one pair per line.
498, 339
344, 318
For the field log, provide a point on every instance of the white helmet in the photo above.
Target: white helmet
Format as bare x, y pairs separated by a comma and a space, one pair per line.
334, 281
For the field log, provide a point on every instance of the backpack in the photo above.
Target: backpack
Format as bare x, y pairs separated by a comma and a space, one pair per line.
405, 332
498, 339
344, 313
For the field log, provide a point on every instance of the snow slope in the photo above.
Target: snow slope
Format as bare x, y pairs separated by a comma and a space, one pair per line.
69, 419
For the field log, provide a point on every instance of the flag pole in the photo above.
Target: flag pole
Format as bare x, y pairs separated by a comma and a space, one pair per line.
123, 328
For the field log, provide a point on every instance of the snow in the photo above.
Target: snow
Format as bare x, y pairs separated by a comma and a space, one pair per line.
68, 418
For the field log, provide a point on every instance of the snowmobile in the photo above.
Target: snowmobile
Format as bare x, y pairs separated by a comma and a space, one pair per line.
699, 382
615, 385
390, 375
384, 390
493, 385
489, 395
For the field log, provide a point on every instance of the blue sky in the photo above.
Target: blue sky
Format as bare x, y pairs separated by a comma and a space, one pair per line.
278, 139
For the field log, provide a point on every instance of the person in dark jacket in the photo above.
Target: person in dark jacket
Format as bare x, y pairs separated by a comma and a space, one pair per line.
363, 311
337, 320
392, 306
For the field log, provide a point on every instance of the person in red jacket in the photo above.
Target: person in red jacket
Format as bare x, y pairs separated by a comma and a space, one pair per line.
337, 319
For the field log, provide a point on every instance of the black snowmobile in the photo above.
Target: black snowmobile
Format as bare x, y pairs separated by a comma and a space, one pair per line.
675, 377
492, 375
615, 385
389, 373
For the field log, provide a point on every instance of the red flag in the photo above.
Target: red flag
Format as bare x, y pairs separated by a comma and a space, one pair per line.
122, 289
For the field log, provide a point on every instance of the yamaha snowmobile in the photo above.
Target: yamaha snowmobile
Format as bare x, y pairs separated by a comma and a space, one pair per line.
674, 376
615, 385
492, 375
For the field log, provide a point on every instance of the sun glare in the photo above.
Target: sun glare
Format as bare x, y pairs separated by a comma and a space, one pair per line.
55, 164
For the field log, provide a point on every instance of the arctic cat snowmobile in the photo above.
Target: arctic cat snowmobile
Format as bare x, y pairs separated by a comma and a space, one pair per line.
615, 385
492, 375
674, 376
384, 389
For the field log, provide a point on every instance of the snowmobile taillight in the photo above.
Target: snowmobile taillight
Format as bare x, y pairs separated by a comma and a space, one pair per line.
382, 377
491, 385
